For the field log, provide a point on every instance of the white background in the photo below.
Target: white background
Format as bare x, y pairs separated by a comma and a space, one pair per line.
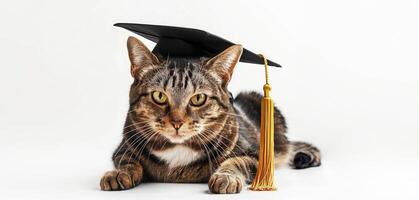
349, 85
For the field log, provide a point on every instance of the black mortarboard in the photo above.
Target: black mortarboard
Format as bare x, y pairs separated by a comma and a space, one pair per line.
188, 42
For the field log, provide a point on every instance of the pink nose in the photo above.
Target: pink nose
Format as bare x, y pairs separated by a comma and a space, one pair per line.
176, 124
176, 118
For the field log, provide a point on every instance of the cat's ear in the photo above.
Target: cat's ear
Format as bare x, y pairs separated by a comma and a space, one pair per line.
223, 64
141, 58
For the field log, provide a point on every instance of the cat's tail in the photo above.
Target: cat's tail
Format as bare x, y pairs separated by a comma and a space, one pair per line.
298, 155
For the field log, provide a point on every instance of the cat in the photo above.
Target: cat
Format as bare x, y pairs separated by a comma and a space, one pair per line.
184, 126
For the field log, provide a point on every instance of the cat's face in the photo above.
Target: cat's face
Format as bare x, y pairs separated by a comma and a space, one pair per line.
177, 99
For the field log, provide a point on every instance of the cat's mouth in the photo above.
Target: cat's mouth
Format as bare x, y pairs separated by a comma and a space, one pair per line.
177, 135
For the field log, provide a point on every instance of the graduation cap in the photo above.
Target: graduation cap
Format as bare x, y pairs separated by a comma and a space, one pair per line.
188, 42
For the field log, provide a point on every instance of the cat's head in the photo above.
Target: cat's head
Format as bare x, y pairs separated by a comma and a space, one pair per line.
176, 99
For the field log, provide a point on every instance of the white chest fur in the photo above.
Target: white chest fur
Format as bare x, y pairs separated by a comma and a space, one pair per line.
178, 156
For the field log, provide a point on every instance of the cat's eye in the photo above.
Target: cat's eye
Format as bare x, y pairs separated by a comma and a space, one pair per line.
159, 97
198, 99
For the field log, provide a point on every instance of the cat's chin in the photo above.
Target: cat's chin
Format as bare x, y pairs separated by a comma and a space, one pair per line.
177, 139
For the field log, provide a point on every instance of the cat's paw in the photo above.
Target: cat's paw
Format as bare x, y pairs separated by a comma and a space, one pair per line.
225, 183
118, 180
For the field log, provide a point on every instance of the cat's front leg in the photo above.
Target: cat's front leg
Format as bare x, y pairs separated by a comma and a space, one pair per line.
124, 177
232, 175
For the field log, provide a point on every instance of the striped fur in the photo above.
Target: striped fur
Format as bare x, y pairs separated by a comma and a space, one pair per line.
217, 143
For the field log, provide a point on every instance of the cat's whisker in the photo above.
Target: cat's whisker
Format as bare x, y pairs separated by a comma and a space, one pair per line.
126, 149
149, 139
138, 139
222, 136
152, 146
232, 114
132, 151
127, 140
219, 143
134, 142
208, 152
243, 150
165, 142
235, 126
137, 144
202, 143
133, 124
146, 138
137, 128
210, 140
130, 111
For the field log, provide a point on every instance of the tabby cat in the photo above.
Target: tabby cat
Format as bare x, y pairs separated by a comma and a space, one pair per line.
184, 126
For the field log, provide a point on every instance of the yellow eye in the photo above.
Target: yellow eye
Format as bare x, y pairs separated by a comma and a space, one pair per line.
198, 99
159, 97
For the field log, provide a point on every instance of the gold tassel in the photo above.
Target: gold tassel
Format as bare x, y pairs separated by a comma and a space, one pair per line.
264, 179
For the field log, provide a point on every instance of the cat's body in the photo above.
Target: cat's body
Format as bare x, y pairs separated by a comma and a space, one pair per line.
184, 126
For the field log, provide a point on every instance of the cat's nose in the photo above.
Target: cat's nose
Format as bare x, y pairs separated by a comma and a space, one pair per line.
177, 124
